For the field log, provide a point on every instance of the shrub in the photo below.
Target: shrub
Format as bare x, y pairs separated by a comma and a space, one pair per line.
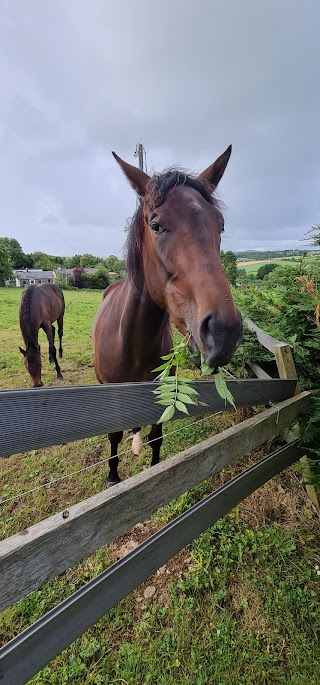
97, 281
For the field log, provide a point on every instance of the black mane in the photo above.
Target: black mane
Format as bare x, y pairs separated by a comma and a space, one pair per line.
25, 317
158, 186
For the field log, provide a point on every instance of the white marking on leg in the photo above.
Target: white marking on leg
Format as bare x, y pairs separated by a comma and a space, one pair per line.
136, 444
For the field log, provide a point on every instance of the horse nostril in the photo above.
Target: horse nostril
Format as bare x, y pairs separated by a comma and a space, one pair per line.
206, 328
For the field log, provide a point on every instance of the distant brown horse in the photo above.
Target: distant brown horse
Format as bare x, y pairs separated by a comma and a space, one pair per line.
174, 273
40, 306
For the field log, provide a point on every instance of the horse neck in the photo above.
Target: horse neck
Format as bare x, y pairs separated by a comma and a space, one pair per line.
148, 317
29, 325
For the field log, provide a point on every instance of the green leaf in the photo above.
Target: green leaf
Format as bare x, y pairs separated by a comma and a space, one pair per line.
171, 379
166, 403
164, 389
222, 389
230, 398
162, 367
167, 414
188, 389
185, 398
181, 407
206, 370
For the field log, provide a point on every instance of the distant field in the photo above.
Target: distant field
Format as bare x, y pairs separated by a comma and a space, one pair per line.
253, 265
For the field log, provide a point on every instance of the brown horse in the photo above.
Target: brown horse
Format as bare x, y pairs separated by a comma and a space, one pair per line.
41, 305
174, 273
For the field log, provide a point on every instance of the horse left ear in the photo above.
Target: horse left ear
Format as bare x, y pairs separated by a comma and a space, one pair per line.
22, 351
137, 178
213, 174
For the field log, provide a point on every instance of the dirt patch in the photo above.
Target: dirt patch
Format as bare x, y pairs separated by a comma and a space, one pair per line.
167, 574
248, 607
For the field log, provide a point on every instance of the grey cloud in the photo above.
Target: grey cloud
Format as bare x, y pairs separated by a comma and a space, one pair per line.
185, 79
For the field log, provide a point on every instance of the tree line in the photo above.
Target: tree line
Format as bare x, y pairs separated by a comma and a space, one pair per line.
13, 257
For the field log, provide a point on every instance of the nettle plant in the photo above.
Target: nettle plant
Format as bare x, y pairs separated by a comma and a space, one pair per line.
175, 391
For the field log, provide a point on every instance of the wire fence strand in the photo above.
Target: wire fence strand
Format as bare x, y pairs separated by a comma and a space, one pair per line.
54, 481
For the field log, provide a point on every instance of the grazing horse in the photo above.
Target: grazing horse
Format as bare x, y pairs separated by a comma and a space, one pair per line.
41, 305
174, 273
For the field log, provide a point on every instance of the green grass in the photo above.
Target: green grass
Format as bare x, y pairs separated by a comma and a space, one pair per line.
253, 268
240, 605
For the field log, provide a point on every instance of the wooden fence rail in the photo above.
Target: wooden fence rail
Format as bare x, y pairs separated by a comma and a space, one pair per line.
26, 654
44, 550
36, 418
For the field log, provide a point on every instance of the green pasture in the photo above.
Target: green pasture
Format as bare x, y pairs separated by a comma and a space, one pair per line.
240, 606
288, 261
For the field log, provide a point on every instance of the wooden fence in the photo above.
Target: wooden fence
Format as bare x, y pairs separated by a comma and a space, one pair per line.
55, 415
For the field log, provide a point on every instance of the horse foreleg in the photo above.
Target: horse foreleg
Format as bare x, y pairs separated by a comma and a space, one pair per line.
50, 331
51, 357
60, 333
156, 436
113, 476
136, 446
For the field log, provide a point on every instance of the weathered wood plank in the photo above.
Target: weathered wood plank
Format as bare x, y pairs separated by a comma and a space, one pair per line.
287, 369
32, 419
27, 653
285, 364
258, 371
264, 338
46, 549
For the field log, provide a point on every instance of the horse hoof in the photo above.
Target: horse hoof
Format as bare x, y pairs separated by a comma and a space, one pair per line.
60, 377
51, 360
111, 483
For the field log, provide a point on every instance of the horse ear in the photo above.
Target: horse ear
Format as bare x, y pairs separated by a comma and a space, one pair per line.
22, 351
137, 178
213, 174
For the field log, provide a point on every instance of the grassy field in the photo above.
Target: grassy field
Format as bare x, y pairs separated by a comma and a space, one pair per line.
239, 606
254, 265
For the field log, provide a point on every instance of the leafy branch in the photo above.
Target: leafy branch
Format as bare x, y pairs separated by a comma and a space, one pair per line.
175, 392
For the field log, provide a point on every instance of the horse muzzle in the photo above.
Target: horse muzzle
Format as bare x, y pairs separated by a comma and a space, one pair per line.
219, 339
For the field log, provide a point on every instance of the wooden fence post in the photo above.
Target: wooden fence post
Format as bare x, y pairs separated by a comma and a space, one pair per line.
287, 370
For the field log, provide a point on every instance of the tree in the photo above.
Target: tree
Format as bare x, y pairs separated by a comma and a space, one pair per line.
264, 270
229, 263
98, 280
13, 249
88, 261
115, 264
72, 262
315, 235
5, 266
41, 260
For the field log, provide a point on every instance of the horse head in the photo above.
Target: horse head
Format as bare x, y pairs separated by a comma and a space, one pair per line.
32, 362
178, 245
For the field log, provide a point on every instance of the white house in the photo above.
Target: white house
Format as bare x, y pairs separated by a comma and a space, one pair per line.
24, 277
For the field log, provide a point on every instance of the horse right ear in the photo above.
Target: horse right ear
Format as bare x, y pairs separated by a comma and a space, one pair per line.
138, 179
22, 351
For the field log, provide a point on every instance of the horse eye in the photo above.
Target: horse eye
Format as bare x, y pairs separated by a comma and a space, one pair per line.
156, 227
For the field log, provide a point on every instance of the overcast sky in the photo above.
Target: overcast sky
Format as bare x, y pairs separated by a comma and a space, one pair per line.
80, 78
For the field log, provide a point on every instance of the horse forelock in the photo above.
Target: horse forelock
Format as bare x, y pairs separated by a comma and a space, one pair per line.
157, 189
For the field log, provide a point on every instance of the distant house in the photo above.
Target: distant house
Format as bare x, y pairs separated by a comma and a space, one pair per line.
24, 277
72, 276
63, 275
